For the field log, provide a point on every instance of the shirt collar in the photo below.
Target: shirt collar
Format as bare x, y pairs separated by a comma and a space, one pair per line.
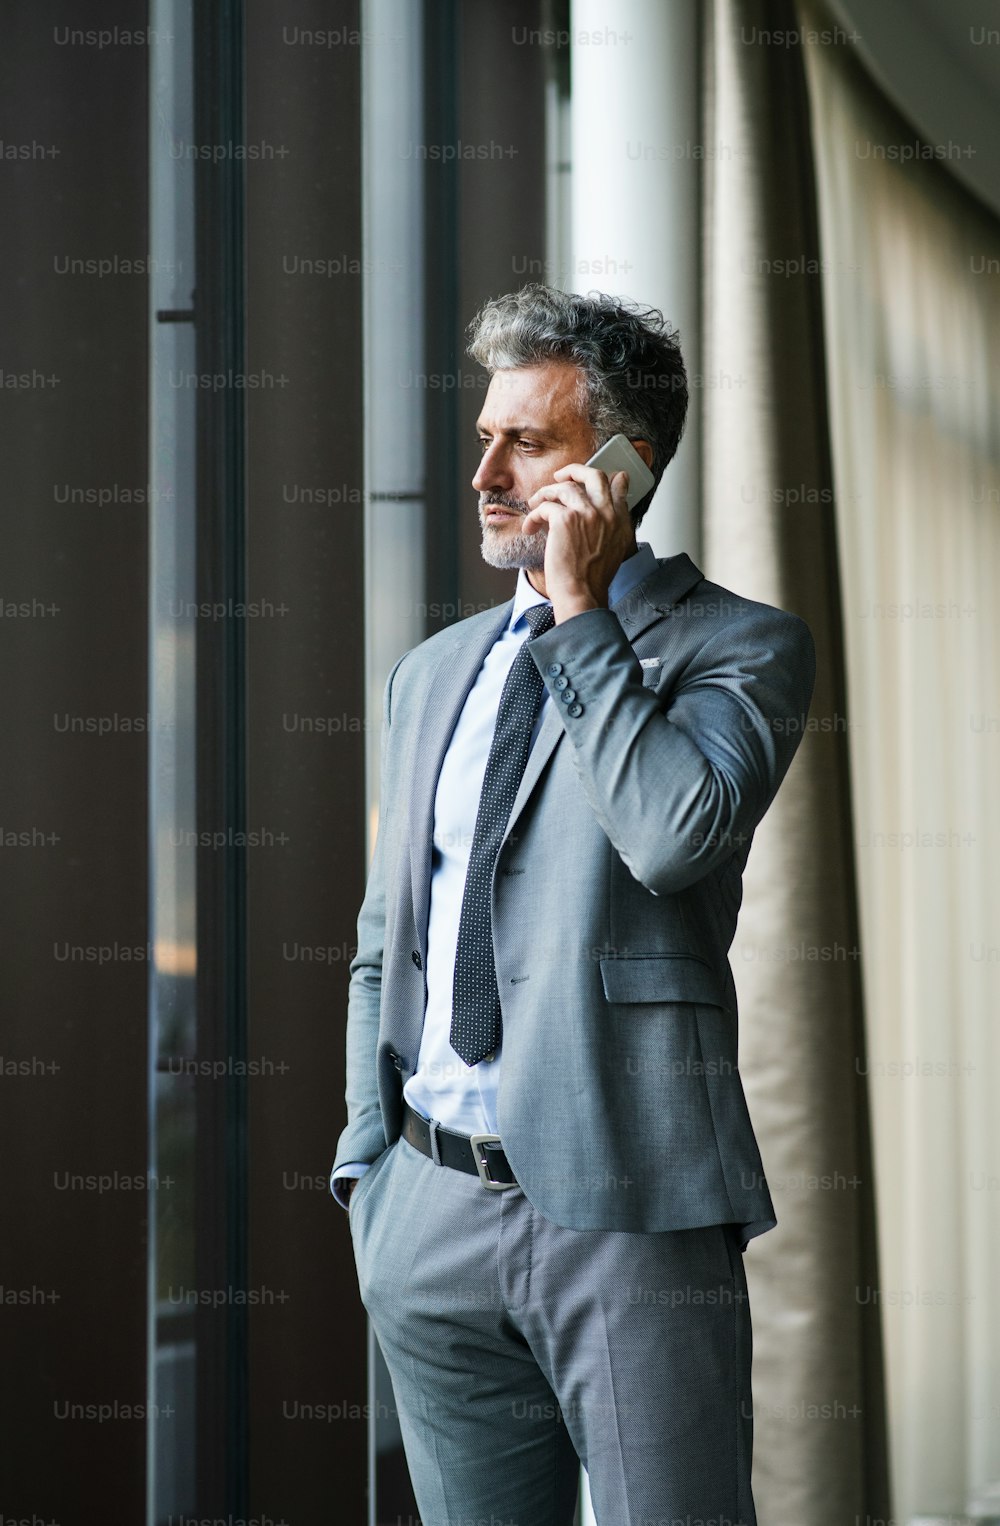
632, 571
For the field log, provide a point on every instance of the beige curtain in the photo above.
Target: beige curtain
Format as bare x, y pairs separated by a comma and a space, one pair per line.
912, 307
769, 531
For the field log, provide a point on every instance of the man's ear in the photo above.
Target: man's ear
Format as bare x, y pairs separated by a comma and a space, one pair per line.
643, 449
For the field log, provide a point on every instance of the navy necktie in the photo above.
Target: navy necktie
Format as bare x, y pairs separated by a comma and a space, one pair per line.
475, 1014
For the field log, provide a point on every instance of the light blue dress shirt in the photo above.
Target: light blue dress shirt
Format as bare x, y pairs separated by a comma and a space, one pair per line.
460, 1096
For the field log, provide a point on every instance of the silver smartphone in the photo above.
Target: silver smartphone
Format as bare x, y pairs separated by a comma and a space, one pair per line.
620, 455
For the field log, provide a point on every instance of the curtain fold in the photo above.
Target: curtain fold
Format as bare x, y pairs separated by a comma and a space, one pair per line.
912, 308
770, 533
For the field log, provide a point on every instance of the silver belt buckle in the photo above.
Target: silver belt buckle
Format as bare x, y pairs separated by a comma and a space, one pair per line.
481, 1158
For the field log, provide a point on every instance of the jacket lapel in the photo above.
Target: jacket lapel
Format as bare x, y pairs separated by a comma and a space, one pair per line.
650, 600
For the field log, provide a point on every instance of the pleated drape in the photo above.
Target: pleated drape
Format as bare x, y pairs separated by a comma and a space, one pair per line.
912, 310
770, 532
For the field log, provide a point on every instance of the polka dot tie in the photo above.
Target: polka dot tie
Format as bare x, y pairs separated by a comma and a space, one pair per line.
475, 1013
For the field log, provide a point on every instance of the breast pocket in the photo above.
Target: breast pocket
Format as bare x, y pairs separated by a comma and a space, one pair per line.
661, 978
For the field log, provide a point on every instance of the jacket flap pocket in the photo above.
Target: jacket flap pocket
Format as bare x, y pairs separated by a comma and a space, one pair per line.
662, 977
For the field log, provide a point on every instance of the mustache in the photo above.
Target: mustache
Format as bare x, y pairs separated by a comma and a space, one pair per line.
503, 501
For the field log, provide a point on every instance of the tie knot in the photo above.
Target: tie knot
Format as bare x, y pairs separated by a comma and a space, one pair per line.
540, 618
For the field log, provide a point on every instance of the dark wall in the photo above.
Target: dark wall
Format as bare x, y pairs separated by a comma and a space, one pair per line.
74, 1258
486, 235
308, 786
503, 217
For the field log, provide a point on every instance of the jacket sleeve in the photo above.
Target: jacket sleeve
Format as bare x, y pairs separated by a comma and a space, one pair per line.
679, 790
364, 1137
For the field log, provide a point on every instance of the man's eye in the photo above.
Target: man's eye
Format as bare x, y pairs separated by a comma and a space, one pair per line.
483, 443
528, 444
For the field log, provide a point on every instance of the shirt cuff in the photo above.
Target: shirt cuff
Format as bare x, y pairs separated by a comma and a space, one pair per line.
353, 1169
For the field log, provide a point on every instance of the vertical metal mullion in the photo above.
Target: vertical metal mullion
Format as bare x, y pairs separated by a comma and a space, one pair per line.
171, 1355
221, 1227
442, 263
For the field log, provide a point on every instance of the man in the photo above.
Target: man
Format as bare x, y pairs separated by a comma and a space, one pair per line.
558, 1173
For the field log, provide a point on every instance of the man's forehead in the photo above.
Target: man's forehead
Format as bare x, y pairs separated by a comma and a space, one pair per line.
533, 397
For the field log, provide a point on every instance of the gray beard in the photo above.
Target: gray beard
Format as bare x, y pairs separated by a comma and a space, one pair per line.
508, 552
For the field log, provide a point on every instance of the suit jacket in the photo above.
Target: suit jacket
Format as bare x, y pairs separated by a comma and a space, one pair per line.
614, 899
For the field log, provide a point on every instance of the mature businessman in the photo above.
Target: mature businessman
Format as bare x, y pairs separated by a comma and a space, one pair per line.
558, 1173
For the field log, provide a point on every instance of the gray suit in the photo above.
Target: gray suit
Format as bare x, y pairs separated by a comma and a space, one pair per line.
615, 898
619, 1006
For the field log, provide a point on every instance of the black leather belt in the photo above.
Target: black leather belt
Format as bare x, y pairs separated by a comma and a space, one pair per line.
477, 1154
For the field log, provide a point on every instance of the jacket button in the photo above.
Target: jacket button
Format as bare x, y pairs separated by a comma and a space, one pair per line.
569, 696
415, 956
576, 709
554, 668
562, 682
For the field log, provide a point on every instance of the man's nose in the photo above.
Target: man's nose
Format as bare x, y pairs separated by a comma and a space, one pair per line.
493, 471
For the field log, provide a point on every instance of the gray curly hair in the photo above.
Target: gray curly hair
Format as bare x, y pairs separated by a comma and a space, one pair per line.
633, 374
